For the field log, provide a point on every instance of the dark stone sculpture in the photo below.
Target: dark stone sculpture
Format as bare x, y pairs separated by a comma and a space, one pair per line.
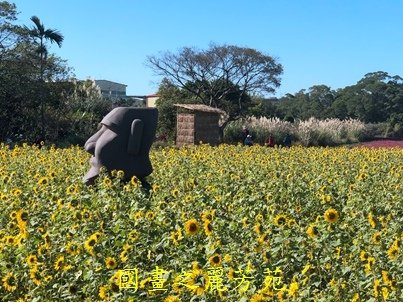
123, 143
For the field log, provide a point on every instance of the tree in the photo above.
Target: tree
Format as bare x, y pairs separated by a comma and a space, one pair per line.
79, 107
40, 36
27, 79
322, 94
169, 94
8, 36
377, 97
21, 92
221, 76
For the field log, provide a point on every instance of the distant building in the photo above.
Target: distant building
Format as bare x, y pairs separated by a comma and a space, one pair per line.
111, 89
150, 100
147, 100
117, 93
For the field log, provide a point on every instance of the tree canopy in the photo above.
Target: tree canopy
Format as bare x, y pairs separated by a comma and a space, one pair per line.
33, 81
377, 97
223, 76
8, 36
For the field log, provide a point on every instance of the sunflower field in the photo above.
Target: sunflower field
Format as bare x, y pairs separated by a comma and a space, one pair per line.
227, 223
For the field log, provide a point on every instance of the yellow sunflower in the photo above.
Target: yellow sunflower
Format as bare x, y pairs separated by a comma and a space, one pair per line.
175, 237
377, 287
110, 263
120, 174
376, 238
123, 256
258, 298
208, 228
231, 274
227, 258
9, 282
150, 215
171, 298
259, 217
387, 279
10, 240
258, 228
71, 190
393, 251
371, 220
133, 235
293, 289
103, 292
263, 238
155, 188
198, 282
312, 231
86, 214
107, 182
13, 215
137, 215
196, 265
3, 196
331, 215
266, 256
280, 220
192, 227
90, 244
59, 263
72, 248
135, 181
43, 181
175, 192
364, 256
207, 216
291, 222
31, 260
35, 276
215, 260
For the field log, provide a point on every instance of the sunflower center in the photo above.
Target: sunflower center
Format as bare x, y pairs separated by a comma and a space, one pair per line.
24, 216
11, 281
193, 227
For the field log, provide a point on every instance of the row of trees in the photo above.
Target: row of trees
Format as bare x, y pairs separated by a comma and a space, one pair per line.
234, 79
38, 99
376, 98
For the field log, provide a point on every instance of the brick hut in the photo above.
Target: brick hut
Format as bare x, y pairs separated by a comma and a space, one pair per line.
197, 123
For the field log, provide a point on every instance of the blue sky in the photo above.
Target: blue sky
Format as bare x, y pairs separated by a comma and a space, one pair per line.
330, 42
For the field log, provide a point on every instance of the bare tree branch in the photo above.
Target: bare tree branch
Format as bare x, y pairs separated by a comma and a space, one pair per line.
221, 76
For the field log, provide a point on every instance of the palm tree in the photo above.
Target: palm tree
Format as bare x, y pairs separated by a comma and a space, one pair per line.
40, 36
